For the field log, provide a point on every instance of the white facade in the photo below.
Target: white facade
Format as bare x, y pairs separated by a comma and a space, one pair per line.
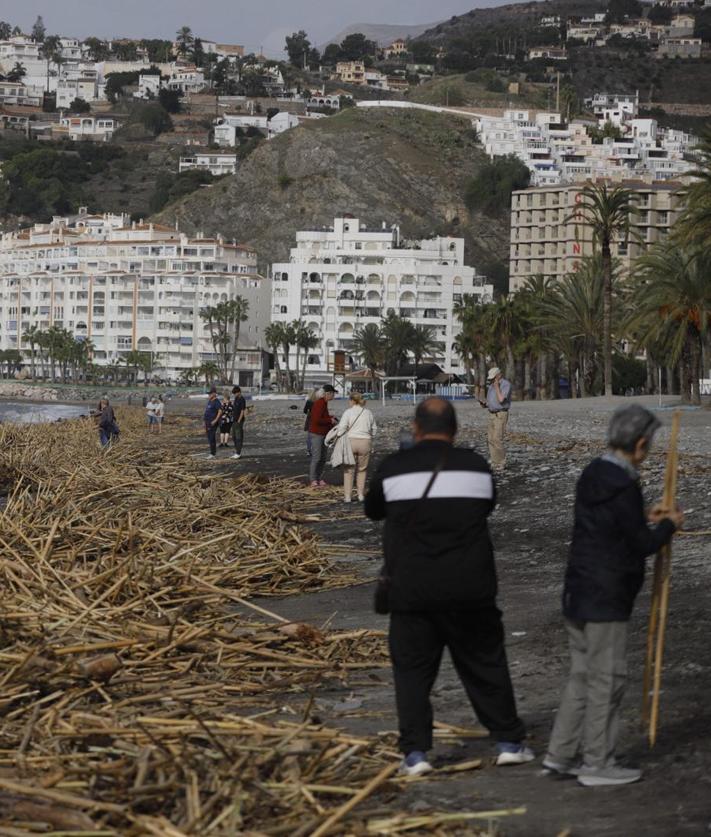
82, 85
128, 287
341, 279
16, 93
558, 152
217, 164
87, 127
148, 87
186, 80
225, 130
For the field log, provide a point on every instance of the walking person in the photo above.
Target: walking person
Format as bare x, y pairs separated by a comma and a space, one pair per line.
160, 413
211, 417
320, 423
226, 420
239, 411
358, 423
611, 539
108, 428
439, 585
498, 403
313, 397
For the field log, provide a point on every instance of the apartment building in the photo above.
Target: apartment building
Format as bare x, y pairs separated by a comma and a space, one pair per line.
126, 286
340, 279
549, 234
80, 85
351, 72
15, 93
217, 164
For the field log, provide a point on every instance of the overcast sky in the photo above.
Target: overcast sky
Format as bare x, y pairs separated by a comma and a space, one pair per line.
254, 23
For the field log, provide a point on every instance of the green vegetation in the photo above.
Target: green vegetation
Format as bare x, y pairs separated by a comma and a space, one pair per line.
43, 181
154, 118
281, 337
489, 191
223, 321
172, 187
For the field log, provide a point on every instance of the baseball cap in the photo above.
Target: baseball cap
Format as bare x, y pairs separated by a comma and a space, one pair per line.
328, 388
493, 372
212, 389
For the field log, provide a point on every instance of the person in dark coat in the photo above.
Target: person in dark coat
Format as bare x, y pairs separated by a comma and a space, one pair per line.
611, 539
441, 584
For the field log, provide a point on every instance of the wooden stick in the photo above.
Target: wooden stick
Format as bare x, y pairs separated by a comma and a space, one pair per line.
362, 794
660, 598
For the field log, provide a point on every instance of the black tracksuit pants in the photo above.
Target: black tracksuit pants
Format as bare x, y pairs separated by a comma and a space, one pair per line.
475, 640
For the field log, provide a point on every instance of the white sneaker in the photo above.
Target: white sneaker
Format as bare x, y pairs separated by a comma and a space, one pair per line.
361, 498
520, 756
211, 456
415, 764
593, 777
347, 500
236, 456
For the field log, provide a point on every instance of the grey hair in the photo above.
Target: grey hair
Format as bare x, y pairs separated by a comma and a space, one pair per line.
630, 424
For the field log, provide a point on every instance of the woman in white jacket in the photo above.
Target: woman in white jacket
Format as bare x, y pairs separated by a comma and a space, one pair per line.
358, 423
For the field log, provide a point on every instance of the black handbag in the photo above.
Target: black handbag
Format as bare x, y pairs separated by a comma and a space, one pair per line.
382, 587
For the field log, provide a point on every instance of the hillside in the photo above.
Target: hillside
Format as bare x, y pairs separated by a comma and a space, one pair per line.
398, 167
471, 90
382, 33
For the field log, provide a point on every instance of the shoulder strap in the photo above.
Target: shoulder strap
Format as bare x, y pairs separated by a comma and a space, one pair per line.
438, 467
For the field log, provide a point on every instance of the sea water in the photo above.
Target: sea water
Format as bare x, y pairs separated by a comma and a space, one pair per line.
23, 413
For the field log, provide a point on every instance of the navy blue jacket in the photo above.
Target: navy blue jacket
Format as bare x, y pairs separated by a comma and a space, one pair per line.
611, 539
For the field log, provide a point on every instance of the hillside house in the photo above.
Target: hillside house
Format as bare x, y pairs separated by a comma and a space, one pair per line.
680, 48
96, 129
17, 94
186, 79
82, 85
217, 164
148, 87
551, 53
330, 101
397, 49
351, 72
681, 26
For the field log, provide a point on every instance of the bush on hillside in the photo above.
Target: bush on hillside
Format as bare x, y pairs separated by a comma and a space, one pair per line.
489, 191
171, 187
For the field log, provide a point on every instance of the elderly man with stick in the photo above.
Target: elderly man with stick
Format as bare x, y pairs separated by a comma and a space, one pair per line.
611, 539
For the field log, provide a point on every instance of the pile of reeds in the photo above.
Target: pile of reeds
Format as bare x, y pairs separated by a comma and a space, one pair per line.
136, 698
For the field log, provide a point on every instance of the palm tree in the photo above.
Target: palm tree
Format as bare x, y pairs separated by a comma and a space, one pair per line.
273, 335
51, 50
672, 304
694, 225
184, 39
423, 342
238, 313
475, 342
30, 336
17, 73
306, 340
535, 340
607, 210
369, 345
210, 370
397, 337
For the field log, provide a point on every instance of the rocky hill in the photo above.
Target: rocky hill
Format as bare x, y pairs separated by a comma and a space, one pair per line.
392, 166
382, 33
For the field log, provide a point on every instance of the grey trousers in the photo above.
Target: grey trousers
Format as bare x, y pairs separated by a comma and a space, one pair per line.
588, 720
318, 456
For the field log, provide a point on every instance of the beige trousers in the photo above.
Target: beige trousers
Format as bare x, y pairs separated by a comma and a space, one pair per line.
361, 452
496, 434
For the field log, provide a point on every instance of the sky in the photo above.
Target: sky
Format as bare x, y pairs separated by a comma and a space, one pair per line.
253, 23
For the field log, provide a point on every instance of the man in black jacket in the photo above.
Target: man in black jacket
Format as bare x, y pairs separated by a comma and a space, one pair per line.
611, 539
441, 584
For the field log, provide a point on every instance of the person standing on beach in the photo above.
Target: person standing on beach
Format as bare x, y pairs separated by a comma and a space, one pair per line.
358, 423
160, 413
226, 420
611, 538
498, 403
212, 416
439, 585
239, 410
151, 405
108, 428
314, 395
320, 423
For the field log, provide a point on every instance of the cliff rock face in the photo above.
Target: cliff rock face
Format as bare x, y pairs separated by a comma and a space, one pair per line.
382, 166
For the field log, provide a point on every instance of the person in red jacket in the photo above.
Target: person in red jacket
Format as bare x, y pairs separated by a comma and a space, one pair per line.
320, 423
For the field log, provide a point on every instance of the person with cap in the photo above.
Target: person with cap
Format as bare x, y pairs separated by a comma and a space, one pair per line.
498, 403
320, 424
239, 413
611, 538
439, 585
212, 416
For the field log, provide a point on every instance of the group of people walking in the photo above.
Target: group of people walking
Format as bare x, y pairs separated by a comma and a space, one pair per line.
439, 585
155, 413
225, 416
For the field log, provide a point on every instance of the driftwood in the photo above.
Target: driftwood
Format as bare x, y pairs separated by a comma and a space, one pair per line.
136, 697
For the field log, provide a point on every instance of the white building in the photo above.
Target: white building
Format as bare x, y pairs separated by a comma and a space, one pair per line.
186, 79
226, 127
343, 278
148, 87
97, 128
558, 152
217, 164
79, 85
16, 93
127, 286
